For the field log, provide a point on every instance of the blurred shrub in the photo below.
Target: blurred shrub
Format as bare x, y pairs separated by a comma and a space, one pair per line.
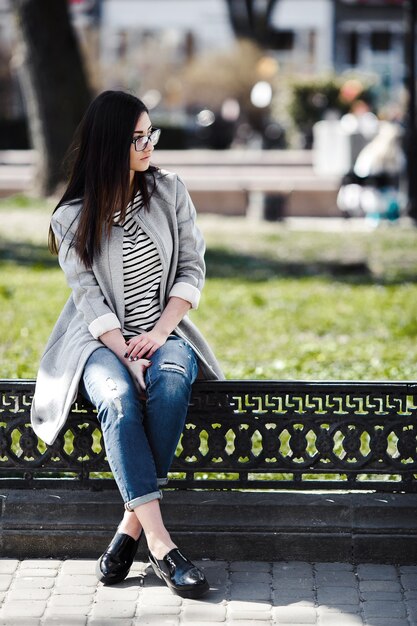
314, 98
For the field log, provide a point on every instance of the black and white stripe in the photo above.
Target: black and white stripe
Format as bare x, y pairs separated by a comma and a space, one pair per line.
142, 271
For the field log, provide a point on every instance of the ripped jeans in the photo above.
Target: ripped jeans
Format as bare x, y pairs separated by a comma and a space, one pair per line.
141, 435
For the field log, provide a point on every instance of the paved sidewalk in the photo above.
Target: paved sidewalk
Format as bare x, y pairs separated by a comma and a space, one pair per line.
66, 593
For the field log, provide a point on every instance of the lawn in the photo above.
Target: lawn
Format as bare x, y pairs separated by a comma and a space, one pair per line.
280, 301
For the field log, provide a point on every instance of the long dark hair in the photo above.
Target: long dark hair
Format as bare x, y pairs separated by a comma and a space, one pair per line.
100, 170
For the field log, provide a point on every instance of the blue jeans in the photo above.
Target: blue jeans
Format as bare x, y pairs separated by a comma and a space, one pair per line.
141, 434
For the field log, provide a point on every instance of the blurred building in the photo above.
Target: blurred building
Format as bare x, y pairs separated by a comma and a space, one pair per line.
140, 44
369, 36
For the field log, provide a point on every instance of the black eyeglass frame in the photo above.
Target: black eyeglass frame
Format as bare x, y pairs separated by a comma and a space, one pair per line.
153, 137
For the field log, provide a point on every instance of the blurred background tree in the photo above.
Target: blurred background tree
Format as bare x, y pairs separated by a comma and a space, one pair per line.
53, 83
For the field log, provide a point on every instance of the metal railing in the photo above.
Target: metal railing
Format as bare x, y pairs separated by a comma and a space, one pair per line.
239, 435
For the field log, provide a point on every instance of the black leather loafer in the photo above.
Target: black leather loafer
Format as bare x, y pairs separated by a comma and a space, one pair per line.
180, 574
114, 564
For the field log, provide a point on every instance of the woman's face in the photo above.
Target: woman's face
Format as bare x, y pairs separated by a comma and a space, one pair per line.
139, 161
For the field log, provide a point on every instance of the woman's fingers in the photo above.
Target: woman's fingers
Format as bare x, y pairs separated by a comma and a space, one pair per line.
139, 347
138, 369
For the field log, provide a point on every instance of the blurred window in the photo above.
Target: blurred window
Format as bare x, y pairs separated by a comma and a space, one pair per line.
281, 39
352, 48
381, 41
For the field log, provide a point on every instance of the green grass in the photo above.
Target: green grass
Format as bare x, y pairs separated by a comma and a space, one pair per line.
278, 303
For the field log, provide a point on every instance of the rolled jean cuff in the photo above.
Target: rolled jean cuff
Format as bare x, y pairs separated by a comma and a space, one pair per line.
148, 497
161, 482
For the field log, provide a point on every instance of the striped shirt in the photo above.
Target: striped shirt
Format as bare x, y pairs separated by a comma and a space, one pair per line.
142, 271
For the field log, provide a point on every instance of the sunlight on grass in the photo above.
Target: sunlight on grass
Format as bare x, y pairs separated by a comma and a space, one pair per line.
277, 304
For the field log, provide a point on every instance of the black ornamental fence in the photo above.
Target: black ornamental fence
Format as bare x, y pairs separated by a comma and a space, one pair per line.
238, 435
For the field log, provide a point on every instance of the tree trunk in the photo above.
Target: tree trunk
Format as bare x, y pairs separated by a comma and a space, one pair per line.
53, 82
250, 18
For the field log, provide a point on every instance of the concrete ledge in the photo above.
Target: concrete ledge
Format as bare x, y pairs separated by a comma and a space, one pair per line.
271, 526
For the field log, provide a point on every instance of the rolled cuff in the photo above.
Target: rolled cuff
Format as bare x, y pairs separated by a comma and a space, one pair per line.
148, 497
187, 292
103, 324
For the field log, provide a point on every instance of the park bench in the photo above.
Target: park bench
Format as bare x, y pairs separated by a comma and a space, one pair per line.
264, 469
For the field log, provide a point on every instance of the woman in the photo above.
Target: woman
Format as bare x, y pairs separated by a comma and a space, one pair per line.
127, 241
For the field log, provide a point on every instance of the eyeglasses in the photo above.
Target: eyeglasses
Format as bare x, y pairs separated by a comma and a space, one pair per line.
141, 143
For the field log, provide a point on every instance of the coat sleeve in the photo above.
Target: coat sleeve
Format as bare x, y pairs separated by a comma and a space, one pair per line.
191, 268
86, 292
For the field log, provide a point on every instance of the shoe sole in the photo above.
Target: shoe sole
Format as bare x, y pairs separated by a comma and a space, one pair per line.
196, 592
106, 581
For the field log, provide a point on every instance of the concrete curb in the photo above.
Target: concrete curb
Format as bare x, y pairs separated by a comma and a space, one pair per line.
273, 526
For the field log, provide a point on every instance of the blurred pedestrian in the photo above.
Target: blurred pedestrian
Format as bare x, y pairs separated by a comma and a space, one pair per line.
373, 187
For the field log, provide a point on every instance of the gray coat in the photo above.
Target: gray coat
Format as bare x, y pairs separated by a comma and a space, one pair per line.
96, 304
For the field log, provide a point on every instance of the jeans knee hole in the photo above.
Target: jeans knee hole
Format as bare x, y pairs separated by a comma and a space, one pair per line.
115, 398
172, 367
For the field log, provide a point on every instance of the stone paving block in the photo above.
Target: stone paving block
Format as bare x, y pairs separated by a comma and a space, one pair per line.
409, 581
5, 581
408, 569
389, 596
246, 614
333, 567
114, 609
71, 620
410, 594
293, 603
211, 598
19, 621
379, 585
33, 582
293, 597
78, 566
46, 573
299, 615
341, 609
336, 579
67, 590
8, 566
148, 609
383, 609
29, 594
108, 594
23, 608
370, 571
412, 608
76, 609
77, 580
101, 621
292, 570
337, 595
245, 606
247, 591
68, 601
192, 613
250, 566
247, 622
215, 596
387, 621
151, 620
342, 620
292, 583
40, 564
217, 579
250, 577
159, 596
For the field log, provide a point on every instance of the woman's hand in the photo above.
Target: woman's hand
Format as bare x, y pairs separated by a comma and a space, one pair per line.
144, 345
137, 370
